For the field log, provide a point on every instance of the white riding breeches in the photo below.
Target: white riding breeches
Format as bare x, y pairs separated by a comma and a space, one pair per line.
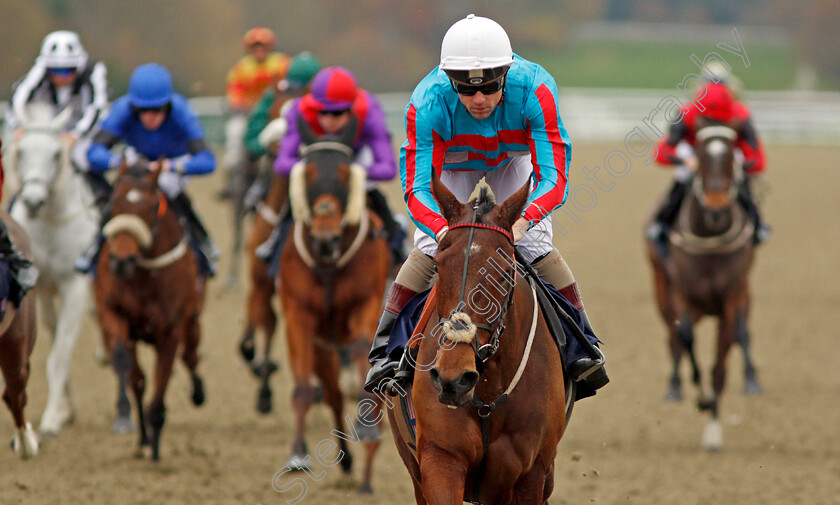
504, 182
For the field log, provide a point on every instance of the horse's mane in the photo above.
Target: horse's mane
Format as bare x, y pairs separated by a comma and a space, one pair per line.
484, 203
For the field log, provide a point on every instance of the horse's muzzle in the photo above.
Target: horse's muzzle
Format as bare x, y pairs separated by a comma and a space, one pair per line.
327, 248
123, 268
457, 392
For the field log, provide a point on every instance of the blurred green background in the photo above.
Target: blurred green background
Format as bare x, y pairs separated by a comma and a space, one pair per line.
390, 45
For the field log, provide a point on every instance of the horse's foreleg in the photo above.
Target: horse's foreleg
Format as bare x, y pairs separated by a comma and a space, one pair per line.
15, 368
166, 348
666, 309
60, 410
327, 369
530, 488
369, 413
300, 331
262, 316
137, 380
115, 333
752, 386
192, 338
442, 477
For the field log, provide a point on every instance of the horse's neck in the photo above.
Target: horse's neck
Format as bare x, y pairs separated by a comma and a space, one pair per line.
167, 235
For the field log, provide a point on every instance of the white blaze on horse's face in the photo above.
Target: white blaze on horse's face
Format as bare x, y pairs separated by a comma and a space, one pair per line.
717, 147
134, 196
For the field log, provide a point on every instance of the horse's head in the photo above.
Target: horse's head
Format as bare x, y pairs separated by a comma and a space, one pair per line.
137, 207
41, 160
477, 275
718, 175
326, 190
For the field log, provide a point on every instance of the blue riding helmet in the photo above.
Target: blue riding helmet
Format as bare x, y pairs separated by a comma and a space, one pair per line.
150, 86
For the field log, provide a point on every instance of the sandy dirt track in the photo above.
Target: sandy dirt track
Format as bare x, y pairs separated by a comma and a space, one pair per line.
623, 447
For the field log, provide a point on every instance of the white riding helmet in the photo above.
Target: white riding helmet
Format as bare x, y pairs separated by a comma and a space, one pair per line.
63, 49
478, 47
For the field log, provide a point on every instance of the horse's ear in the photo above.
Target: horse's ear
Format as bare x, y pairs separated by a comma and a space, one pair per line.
307, 136
348, 133
511, 209
123, 168
449, 205
156, 174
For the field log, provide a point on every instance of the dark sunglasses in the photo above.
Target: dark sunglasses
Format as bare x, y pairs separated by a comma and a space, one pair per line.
62, 71
334, 113
141, 110
485, 89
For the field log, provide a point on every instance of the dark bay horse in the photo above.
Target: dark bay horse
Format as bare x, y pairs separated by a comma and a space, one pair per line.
488, 390
333, 271
706, 273
147, 289
18, 329
259, 311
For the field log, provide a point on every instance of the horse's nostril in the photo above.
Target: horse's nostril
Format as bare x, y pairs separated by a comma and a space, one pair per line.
468, 379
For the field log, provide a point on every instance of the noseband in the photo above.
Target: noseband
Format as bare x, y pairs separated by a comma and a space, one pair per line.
488, 350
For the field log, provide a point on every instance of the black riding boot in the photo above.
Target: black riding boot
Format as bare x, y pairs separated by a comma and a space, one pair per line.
22, 273
587, 369
664, 219
745, 198
396, 234
86, 263
197, 235
383, 368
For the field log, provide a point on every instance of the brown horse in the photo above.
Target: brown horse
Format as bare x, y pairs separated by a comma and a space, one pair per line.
333, 271
488, 390
260, 312
147, 289
17, 339
706, 272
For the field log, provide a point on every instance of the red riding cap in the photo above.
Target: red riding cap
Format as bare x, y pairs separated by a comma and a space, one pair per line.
717, 102
333, 88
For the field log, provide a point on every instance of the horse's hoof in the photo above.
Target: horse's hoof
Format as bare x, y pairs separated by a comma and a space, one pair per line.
365, 489
25, 442
123, 425
673, 395
197, 393
753, 388
246, 349
264, 404
347, 462
299, 463
101, 357
713, 436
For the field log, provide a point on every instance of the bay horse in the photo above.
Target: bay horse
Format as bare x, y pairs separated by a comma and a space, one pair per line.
18, 329
333, 271
706, 273
56, 208
488, 388
259, 311
147, 289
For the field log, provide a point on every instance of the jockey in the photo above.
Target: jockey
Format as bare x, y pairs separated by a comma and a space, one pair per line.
247, 80
254, 73
302, 70
17, 273
714, 105
64, 76
330, 107
483, 112
161, 130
